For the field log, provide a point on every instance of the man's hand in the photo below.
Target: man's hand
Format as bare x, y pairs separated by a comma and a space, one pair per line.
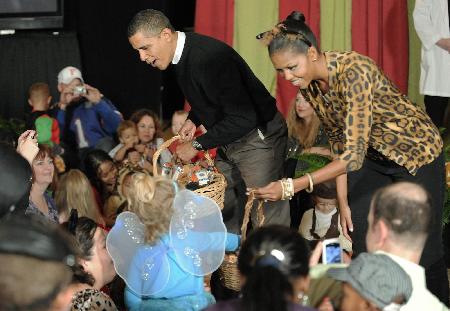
185, 151
187, 131
92, 94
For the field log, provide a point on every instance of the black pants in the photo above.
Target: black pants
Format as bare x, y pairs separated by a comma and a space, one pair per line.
254, 161
436, 107
375, 174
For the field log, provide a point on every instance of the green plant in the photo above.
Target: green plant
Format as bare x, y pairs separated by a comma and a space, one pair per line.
15, 125
310, 162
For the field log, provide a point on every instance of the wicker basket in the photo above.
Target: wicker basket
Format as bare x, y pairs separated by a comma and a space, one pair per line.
228, 271
214, 190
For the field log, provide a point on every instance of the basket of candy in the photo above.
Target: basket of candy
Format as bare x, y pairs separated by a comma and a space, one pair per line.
202, 179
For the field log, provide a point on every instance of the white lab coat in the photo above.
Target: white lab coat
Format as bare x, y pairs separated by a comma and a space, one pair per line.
431, 23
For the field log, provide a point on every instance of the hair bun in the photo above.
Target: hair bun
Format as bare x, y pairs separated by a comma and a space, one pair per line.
296, 16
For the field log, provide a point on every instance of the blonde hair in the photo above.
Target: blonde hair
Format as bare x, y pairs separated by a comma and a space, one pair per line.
151, 198
39, 91
75, 191
305, 134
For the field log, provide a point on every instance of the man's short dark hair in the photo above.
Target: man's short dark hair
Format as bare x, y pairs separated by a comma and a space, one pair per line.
150, 22
405, 207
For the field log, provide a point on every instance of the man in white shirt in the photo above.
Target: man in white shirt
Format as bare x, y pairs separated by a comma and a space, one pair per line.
399, 221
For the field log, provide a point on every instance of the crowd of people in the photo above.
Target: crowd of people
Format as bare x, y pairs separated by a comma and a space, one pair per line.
90, 221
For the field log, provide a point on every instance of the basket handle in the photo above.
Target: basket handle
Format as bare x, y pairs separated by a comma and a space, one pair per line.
166, 145
247, 212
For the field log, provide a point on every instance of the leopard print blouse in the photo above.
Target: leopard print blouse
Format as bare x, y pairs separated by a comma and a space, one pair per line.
363, 108
91, 299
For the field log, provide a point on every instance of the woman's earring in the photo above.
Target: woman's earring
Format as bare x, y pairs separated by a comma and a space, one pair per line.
315, 59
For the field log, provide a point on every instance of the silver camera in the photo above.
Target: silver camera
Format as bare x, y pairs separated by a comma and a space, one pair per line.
79, 90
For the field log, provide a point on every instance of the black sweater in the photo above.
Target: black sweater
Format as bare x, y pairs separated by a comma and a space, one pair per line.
225, 95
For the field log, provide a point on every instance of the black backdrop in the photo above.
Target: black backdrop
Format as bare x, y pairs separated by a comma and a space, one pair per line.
94, 37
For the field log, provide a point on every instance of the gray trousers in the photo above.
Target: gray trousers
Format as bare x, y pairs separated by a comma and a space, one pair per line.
254, 161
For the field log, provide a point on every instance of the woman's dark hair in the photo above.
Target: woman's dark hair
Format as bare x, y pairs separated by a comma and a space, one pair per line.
270, 259
139, 114
92, 163
83, 229
294, 34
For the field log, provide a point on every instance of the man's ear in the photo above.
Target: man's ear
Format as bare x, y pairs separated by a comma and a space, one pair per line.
383, 230
30, 103
49, 99
60, 87
167, 34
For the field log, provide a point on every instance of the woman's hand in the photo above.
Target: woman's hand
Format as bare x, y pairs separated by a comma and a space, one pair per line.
271, 192
346, 220
27, 145
326, 305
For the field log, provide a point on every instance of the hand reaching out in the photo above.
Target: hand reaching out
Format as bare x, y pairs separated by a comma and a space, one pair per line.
27, 145
187, 131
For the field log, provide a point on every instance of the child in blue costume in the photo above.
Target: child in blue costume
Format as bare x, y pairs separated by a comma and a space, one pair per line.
166, 244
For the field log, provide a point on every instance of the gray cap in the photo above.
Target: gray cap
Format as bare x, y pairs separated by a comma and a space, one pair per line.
376, 277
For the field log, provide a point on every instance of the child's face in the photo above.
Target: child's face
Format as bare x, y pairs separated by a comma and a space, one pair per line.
325, 206
129, 137
126, 184
107, 173
177, 122
146, 129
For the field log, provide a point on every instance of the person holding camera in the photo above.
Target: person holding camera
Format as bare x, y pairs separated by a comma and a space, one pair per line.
87, 119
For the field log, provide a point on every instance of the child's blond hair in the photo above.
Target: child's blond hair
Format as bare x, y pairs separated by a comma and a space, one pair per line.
151, 198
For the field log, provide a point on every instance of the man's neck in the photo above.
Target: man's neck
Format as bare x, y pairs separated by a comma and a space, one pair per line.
412, 255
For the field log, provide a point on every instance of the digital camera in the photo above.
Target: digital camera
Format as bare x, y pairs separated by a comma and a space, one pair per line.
79, 90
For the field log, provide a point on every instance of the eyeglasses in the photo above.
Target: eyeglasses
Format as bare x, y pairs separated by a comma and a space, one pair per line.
268, 35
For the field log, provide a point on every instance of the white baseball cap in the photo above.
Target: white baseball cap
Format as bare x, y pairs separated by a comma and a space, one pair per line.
68, 74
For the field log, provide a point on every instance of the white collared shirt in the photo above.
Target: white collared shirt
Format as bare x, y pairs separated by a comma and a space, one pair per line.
421, 298
180, 46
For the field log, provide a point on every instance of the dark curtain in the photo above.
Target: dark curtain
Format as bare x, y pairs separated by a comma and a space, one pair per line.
29, 57
93, 39
110, 63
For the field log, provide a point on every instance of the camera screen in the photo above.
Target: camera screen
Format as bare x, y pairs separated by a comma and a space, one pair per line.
333, 253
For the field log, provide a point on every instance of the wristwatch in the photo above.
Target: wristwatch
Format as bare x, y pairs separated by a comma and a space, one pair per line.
197, 145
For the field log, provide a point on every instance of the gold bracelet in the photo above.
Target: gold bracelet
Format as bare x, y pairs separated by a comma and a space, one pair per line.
311, 184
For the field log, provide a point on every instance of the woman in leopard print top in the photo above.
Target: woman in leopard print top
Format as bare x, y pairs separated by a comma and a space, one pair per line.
378, 134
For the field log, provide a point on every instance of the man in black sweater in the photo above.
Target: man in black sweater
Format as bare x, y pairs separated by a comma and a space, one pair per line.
228, 100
